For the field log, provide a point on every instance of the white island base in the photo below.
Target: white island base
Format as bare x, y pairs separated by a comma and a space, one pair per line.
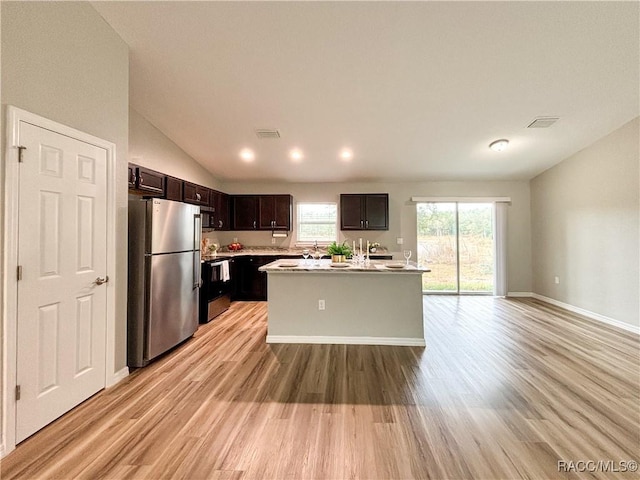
368, 306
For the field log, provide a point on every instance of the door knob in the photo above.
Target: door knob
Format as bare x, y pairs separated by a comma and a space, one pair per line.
100, 280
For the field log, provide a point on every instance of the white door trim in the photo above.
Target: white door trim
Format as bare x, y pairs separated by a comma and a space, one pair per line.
10, 261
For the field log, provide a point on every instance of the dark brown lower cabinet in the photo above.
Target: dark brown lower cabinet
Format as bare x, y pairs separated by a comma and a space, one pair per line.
373, 256
249, 283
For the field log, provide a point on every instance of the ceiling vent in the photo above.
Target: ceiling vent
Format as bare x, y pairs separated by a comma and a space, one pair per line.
543, 122
267, 133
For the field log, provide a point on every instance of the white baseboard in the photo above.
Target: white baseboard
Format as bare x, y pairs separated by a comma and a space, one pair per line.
118, 377
519, 294
399, 341
587, 313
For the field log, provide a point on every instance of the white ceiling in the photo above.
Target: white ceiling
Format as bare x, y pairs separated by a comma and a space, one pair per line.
416, 89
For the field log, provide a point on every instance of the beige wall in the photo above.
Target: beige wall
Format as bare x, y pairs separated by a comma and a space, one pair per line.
149, 147
402, 215
62, 61
585, 224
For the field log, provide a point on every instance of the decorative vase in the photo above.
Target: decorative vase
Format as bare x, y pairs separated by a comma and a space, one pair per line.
373, 249
338, 258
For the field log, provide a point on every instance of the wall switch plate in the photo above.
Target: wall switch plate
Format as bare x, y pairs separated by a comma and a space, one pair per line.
399, 240
556, 280
320, 304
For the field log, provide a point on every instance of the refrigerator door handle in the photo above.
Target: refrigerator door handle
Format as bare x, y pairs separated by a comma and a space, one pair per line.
197, 228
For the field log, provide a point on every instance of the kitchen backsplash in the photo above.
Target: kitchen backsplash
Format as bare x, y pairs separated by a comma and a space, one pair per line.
265, 238
248, 238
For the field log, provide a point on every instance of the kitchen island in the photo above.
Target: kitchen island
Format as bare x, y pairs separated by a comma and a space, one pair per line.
376, 304
248, 282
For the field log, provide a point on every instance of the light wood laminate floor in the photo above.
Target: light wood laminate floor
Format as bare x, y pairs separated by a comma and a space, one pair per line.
504, 389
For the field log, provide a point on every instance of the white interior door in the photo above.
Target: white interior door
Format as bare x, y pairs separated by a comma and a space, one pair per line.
62, 249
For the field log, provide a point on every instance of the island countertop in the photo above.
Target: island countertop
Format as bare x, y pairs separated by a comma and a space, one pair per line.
326, 266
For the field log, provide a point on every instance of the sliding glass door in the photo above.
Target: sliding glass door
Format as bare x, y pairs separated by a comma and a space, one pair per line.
456, 241
438, 246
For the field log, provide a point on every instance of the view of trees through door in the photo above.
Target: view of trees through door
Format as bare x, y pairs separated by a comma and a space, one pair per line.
456, 241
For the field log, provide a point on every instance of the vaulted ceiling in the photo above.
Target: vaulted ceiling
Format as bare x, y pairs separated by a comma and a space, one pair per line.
416, 90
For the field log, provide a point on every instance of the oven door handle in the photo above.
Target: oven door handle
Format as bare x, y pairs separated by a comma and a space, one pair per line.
218, 264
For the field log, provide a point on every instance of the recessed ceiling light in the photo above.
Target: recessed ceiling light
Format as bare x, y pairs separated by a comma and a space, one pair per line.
346, 154
247, 155
499, 145
296, 155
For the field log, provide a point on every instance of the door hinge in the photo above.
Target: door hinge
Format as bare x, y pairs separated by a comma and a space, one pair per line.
20, 150
19, 272
17, 392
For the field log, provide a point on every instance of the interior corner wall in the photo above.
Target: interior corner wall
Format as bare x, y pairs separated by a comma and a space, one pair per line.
585, 228
62, 61
150, 148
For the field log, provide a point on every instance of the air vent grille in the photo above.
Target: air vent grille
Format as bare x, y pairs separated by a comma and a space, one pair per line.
267, 133
543, 122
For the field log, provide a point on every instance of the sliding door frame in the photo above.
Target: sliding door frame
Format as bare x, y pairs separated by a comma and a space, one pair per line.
499, 222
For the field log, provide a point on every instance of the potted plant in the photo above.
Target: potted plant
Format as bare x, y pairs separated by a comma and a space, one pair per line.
339, 252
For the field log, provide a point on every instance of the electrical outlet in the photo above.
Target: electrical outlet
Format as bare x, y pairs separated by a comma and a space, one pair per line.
556, 280
235, 239
399, 240
273, 241
320, 304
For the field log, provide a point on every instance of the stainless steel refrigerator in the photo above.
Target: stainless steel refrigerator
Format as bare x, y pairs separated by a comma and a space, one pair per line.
164, 277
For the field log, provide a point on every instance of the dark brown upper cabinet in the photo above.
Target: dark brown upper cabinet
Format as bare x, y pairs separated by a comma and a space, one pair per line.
146, 181
244, 210
219, 202
196, 194
132, 176
275, 212
173, 189
368, 211
261, 212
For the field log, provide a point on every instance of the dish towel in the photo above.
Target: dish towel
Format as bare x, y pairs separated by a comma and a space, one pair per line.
224, 271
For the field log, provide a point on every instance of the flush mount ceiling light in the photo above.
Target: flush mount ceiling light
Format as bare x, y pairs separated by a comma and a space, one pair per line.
247, 155
346, 154
499, 145
296, 155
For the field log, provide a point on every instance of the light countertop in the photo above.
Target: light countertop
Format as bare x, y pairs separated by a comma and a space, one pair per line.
326, 266
266, 251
